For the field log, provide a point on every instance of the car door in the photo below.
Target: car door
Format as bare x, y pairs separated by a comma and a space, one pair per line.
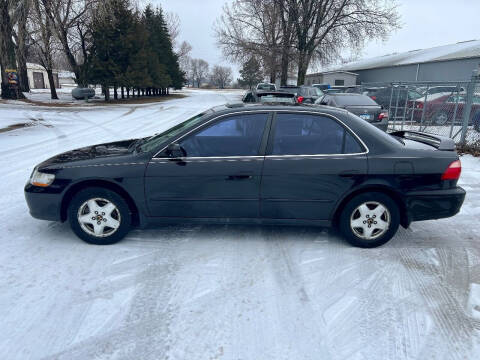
219, 174
312, 160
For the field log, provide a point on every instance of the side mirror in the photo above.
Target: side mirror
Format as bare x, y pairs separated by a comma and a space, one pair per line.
174, 150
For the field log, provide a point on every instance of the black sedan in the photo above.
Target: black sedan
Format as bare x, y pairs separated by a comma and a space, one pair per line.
254, 164
360, 105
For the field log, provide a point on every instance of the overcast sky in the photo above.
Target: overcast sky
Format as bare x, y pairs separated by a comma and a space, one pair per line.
426, 23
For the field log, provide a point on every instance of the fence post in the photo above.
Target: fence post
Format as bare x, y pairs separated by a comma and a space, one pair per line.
390, 106
424, 107
405, 107
456, 110
468, 106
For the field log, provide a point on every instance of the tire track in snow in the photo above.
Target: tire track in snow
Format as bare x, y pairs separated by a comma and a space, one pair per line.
450, 318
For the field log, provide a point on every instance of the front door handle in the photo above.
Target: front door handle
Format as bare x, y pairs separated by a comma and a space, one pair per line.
239, 177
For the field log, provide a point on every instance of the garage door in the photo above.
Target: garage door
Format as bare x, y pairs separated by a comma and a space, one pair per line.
38, 80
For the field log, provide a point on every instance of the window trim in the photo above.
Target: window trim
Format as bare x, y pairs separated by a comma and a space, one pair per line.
270, 133
334, 118
262, 149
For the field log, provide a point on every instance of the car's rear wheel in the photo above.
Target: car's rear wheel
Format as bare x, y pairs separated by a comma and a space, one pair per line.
99, 216
440, 118
476, 121
369, 220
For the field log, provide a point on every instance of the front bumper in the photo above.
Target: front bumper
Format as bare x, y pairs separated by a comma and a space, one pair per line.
44, 204
431, 205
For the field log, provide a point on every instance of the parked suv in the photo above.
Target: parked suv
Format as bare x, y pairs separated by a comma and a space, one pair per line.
305, 94
360, 105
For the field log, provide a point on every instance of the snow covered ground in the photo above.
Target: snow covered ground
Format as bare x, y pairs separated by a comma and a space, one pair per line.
222, 292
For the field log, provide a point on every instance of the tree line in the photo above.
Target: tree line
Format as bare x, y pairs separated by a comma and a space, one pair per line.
198, 73
112, 43
289, 36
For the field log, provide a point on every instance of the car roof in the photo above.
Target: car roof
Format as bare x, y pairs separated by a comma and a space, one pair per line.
346, 94
238, 107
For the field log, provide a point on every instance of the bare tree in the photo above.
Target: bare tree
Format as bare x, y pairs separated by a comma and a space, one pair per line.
301, 32
252, 28
44, 42
21, 36
287, 22
184, 50
173, 25
325, 26
184, 59
221, 76
71, 22
8, 58
199, 69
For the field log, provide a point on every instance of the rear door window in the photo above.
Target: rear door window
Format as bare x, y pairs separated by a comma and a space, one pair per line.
309, 134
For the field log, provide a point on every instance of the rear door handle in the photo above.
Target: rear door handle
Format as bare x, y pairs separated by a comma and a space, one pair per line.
239, 177
349, 173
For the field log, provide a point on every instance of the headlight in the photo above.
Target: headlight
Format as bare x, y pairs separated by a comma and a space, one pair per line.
41, 179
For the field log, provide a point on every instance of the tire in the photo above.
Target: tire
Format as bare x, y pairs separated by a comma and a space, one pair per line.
354, 213
440, 118
110, 226
476, 121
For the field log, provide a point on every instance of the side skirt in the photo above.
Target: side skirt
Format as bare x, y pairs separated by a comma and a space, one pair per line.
152, 221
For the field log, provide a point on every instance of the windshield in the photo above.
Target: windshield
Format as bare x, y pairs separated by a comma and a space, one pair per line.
155, 141
361, 100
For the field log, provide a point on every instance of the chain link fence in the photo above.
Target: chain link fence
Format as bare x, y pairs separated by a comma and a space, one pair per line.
449, 109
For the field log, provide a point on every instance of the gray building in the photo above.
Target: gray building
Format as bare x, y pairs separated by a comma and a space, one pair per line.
453, 62
333, 78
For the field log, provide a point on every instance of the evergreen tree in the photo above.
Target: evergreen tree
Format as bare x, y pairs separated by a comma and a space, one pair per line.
132, 50
251, 73
161, 45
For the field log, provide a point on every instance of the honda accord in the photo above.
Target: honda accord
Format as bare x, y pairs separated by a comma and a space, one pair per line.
257, 164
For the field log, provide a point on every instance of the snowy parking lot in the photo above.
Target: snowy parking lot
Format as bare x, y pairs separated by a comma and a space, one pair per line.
191, 292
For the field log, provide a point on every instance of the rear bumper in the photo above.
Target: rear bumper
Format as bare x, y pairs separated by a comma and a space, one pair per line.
431, 205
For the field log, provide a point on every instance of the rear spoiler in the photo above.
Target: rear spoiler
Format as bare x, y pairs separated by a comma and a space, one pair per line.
440, 142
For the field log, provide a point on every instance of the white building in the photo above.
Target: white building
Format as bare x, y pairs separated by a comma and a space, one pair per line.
38, 78
333, 78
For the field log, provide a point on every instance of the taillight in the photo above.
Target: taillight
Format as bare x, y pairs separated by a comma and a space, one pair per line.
300, 99
453, 171
373, 97
383, 115
419, 106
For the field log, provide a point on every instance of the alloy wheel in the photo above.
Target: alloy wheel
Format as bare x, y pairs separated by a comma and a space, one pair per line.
370, 220
441, 118
99, 217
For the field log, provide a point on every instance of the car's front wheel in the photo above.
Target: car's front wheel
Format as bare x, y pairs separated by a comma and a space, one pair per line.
369, 220
99, 216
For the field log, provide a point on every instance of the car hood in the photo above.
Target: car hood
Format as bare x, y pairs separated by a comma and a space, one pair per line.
91, 154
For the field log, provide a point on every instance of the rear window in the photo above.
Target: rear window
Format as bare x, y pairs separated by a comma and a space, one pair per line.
291, 90
354, 100
266, 87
